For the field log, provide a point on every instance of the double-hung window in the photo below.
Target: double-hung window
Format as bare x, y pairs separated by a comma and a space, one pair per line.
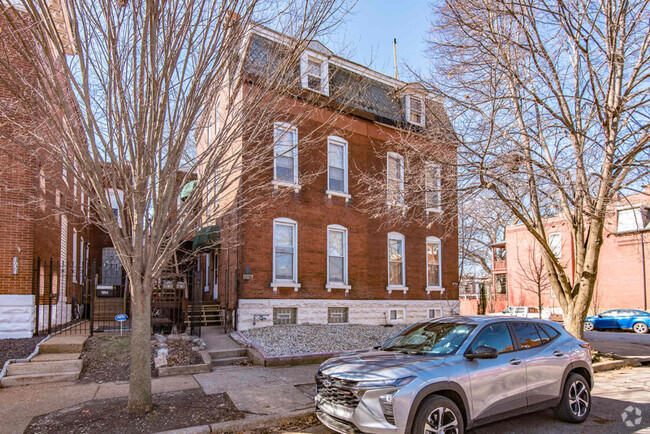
395, 178
555, 243
314, 70
433, 186
285, 138
285, 251
415, 110
434, 271
396, 264
337, 166
337, 257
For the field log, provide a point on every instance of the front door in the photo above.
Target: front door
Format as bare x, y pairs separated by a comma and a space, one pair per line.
497, 385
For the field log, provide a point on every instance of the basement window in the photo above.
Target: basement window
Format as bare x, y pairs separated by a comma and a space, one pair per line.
337, 315
284, 315
396, 315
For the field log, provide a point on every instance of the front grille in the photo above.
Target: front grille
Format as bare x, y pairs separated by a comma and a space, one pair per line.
336, 391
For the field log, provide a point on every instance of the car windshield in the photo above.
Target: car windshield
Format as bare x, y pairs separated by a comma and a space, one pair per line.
434, 339
508, 310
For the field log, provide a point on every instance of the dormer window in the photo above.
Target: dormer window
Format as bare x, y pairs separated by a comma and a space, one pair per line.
315, 73
415, 110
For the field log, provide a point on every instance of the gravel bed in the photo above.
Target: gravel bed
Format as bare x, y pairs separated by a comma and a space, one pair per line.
17, 348
316, 338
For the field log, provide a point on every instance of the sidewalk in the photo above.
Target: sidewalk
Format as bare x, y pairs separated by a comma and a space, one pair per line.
18, 405
254, 390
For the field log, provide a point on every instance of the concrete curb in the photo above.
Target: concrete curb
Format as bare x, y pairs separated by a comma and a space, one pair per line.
617, 364
170, 371
34, 353
260, 357
248, 423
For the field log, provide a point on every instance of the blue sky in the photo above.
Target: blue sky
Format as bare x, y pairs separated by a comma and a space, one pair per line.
366, 36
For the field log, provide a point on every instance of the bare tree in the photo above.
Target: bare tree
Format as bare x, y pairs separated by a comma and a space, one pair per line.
121, 91
482, 222
533, 275
550, 102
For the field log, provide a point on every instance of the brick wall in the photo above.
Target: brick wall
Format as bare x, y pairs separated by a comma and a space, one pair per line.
367, 237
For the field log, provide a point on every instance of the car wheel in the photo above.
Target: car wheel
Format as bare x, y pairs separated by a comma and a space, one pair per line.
438, 414
576, 400
640, 328
589, 326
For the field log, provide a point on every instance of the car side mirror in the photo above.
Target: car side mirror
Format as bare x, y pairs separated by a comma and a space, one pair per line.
483, 352
600, 315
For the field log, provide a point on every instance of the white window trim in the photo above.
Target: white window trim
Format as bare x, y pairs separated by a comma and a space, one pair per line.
334, 285
399, 157
439, 287
438, 181
345, 193
282, 283
396, 236
113, 196
559, 235
206, 287
294, 150
408, 110
324, 72
435, 309
403, 320
74, 255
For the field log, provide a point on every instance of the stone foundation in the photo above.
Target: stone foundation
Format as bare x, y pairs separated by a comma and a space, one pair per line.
314, 311
16, 316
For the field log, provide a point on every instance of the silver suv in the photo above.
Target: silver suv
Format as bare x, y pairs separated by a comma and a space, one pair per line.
451, 374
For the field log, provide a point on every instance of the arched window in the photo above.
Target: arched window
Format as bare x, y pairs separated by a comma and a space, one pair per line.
396, 262
337, 257
434, 269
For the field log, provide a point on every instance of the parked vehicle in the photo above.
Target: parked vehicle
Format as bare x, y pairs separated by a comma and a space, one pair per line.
626, 319
455, 373
524, 312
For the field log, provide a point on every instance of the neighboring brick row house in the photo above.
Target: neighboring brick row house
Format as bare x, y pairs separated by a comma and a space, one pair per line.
38, 219
313, 255
623, 268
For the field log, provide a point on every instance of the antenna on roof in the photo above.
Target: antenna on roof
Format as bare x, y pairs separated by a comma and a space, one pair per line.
395, 56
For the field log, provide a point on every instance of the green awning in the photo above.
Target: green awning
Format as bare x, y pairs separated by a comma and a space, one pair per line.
206, 237
187, 189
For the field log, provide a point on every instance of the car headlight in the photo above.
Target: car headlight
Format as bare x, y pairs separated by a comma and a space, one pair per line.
385, 384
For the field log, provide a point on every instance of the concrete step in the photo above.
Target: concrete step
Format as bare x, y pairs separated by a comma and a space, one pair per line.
229, 361
53, 357
63, 344
44, 367
23, 380
223, 354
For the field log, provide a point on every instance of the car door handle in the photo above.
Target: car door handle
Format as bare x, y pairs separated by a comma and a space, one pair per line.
515, 362
558, 353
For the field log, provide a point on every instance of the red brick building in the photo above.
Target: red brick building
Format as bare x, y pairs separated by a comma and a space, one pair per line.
623, 272
313, 255
38, 219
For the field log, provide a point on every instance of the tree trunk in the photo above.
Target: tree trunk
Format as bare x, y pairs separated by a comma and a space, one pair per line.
574, 322
140, 374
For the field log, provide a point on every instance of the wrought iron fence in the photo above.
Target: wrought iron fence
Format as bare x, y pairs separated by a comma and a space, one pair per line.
87, 300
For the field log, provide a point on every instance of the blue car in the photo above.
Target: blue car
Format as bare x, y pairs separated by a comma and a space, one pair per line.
626, 319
